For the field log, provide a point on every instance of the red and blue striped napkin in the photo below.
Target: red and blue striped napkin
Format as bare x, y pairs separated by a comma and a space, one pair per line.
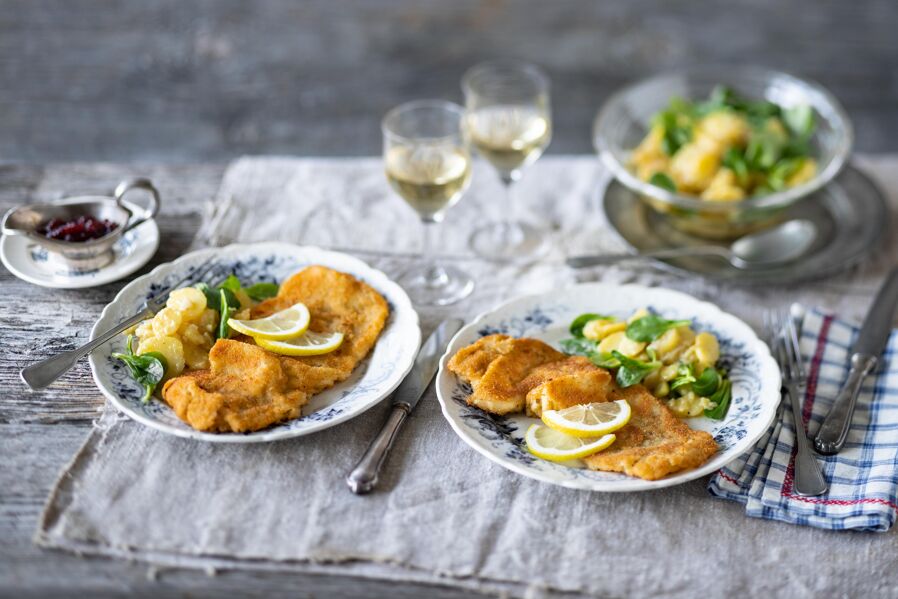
863, 477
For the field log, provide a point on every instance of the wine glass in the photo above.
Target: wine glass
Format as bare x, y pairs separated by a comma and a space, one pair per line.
428, 163
509, 122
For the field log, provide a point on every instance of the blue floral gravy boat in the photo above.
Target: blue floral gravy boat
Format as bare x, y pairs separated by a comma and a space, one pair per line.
91, 254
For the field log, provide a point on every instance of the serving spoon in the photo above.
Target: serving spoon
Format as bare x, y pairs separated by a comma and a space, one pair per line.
772, 247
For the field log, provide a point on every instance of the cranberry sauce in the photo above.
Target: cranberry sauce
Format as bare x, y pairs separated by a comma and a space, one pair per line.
83, 228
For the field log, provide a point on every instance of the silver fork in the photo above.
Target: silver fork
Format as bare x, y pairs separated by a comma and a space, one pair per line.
43, 373
809, 479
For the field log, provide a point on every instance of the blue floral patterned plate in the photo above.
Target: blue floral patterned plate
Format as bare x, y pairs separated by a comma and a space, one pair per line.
755, 377
372, 380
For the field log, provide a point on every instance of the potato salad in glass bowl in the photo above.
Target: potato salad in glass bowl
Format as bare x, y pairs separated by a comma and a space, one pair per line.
721, 152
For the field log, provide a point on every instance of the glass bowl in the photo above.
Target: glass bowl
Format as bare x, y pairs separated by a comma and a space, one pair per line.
625, 119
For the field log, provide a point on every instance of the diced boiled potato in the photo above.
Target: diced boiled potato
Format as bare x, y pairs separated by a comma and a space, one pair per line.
166, 322
650, 147
598, 329
775, 126
806, 172
145, 329
208, 320
620, 342
724, 187
652, 379
707, 349
170, 348
725, 128
245, 300
196, 356
694, 166
648, 169
667, 342
669, 372
661, 390
689, 405
189, 301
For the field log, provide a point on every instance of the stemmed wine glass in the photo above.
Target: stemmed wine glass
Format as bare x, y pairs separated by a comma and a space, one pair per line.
428, 163
508, 119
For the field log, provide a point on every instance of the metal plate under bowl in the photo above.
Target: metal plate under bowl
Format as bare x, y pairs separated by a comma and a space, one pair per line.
850, 213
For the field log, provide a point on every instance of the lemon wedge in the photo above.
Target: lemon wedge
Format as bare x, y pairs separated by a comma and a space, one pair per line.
280, 326
589, 420
549, 444
308, 344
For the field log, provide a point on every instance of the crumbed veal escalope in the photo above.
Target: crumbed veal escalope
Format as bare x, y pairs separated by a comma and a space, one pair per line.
510, 375
247, 388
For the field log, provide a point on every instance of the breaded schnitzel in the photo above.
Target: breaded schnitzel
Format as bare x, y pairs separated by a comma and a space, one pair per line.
247, 388
654, 443
513, 375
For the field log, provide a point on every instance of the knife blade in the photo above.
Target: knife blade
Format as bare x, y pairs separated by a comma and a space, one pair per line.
363, 477
870, 343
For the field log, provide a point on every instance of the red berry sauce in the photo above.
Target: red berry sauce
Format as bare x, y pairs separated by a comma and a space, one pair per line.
83, 228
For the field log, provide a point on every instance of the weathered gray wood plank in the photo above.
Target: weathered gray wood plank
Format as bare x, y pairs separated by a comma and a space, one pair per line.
174, 81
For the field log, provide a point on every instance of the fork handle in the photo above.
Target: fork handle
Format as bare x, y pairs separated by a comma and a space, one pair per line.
809, 479
43, 373
834, 431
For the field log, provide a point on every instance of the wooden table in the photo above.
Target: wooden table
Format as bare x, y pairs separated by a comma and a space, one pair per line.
41, 431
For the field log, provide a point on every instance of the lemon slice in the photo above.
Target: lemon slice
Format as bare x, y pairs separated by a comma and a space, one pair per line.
280, 326
549, 444
308, 344
589, 420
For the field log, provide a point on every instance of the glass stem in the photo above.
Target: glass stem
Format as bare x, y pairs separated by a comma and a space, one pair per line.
434, 275
508, 226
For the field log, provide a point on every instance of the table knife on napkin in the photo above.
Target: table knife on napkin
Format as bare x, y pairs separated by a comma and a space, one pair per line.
363, 478
870, 343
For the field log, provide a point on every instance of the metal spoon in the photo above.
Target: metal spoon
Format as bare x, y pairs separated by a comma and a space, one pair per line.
772, 247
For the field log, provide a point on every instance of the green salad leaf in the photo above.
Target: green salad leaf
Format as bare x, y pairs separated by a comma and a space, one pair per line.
147, 369
799, 120
685, 376
676, 134
722, 398
707, 383
631, 371
663, 181
648, 328
225, 312
579, 346
262, 291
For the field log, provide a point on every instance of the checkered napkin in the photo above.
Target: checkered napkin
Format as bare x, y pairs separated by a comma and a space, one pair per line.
863, 478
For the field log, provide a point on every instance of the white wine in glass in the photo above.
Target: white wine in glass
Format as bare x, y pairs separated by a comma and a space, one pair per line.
430, 179
427, 161
509, 137
509, 122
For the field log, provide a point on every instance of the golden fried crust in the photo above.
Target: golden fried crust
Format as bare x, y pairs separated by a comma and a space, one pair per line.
248, 388
654, 443
565, 383
509, 375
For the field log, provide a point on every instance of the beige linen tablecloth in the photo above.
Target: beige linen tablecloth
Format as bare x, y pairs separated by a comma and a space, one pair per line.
443, 513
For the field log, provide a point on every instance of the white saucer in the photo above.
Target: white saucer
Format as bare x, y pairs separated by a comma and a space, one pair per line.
30, 262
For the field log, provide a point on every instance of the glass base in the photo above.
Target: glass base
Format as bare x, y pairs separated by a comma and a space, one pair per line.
509, 241
430, 285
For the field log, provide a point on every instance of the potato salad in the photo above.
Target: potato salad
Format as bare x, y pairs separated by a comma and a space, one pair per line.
727, 148
675, 363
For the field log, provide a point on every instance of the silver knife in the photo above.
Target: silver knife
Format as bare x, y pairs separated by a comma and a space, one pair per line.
363, 478
871, 341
